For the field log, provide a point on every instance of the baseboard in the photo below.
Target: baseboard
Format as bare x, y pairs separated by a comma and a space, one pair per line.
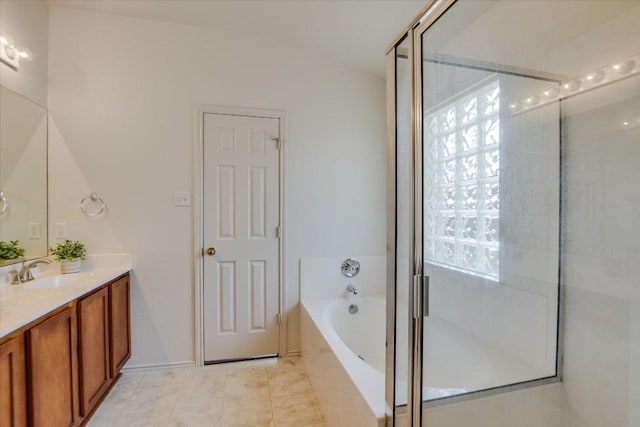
177, 365
157, 367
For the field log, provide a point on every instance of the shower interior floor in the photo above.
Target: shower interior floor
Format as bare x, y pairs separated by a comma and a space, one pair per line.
455, 363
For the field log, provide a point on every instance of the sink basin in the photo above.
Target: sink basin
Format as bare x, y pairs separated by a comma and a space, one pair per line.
59, 281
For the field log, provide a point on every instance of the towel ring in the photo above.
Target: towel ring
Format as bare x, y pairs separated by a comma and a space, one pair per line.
93, 197
5, 204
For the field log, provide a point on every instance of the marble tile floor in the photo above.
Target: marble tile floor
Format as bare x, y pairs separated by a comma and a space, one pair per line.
269, 392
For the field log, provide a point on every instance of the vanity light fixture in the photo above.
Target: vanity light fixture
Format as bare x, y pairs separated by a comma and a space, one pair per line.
12, 55
563, 90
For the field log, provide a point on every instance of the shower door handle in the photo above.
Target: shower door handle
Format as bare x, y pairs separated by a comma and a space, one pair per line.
425, 296
420, 296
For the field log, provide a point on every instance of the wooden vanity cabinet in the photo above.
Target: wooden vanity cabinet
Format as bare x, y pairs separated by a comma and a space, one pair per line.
13, 383
55, 371
52, 367
120, 322
93, 348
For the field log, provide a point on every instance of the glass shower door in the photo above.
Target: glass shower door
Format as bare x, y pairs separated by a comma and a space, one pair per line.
490, 148
523, 159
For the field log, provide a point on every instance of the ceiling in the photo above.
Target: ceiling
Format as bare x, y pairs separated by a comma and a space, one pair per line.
353, 32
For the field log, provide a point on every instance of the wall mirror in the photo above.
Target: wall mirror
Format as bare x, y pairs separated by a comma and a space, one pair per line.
23, 178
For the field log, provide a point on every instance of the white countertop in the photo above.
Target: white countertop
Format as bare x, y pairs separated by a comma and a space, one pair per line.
22, 304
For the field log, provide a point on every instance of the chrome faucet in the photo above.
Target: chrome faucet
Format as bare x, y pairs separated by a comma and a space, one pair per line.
25, 274
351, 289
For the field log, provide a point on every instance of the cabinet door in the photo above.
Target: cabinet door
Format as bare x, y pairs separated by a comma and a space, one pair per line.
120, 344
13, 389
52, 366
93, 342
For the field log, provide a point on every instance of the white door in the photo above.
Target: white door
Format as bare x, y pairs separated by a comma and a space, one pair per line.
241, 220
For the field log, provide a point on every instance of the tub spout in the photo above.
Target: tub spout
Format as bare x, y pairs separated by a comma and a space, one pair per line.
351, 289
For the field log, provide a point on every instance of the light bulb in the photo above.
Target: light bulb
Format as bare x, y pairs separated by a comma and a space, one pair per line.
6, 40
573, 85
596, 77
551, 92
533, 100
11, 52
25, 53
625, 67
516, 106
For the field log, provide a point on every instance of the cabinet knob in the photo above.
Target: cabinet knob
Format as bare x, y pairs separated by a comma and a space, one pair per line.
211, 251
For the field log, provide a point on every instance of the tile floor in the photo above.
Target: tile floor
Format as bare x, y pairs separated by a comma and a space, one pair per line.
268, 392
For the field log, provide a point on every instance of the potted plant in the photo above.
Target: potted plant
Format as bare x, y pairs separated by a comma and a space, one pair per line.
10, 250
70, 254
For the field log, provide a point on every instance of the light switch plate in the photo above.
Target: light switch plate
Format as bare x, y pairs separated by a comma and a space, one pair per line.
34, 230
182, 198
61, 230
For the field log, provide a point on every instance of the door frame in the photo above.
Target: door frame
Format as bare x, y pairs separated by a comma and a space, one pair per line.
198, 216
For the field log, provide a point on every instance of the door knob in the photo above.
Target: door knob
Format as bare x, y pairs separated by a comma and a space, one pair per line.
211, 251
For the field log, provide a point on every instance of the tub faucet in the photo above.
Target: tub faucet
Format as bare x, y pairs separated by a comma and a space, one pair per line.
25, 272
351, 289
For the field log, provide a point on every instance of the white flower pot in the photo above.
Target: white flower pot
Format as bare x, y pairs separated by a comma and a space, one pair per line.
70, 266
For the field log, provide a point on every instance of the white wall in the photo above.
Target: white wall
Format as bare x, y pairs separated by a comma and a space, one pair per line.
121, 97
27, 23
601, 268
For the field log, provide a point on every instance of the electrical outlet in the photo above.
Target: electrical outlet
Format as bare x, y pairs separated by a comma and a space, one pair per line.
34, 230
182, 198
61, 230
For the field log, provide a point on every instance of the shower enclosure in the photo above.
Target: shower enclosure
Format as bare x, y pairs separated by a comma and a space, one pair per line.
514, 215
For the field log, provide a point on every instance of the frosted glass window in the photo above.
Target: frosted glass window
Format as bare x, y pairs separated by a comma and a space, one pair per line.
462, 191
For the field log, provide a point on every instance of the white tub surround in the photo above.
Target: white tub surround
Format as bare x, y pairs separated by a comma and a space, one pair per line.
21, 304
349, 390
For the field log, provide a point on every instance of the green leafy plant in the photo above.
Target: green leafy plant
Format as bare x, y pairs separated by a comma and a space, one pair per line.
10, 250
69, 251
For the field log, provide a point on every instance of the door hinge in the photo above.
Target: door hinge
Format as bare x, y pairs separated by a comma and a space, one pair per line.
278, 143
277, 232
278, 318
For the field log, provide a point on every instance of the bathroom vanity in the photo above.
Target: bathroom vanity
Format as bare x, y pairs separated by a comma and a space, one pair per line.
63, 341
